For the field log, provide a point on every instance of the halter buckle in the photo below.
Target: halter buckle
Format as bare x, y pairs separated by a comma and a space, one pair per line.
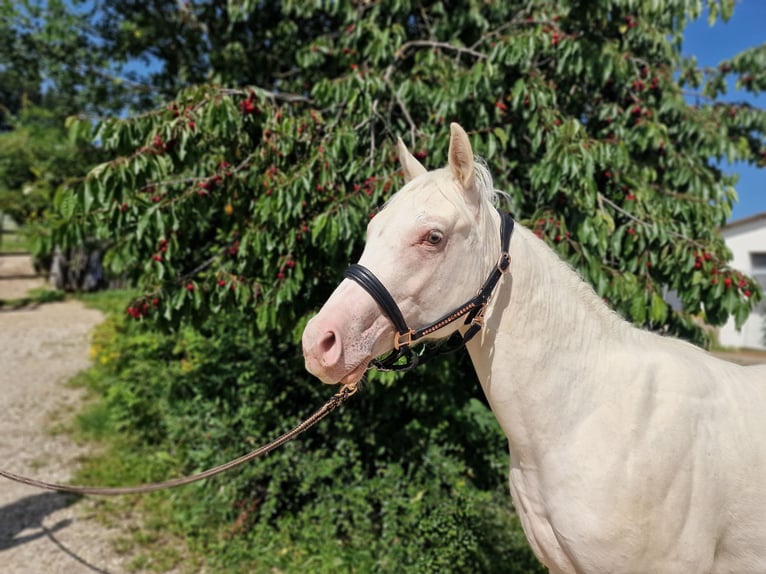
479, 317
403, 339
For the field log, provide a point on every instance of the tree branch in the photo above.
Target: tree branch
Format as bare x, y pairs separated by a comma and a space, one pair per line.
440, 46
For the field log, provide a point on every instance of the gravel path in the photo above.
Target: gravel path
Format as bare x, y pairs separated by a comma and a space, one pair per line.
40, 349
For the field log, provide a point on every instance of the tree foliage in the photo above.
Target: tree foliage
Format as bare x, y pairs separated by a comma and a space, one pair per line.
53, 56
52, 66
36, 157
251, 191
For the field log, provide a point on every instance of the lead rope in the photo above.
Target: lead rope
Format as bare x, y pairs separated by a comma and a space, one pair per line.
333, 403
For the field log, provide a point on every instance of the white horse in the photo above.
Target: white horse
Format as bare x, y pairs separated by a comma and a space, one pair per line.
630, 452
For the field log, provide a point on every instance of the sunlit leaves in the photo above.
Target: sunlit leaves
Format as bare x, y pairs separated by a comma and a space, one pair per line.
262, 194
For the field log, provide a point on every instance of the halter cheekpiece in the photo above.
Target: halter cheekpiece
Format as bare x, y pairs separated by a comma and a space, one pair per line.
473, 309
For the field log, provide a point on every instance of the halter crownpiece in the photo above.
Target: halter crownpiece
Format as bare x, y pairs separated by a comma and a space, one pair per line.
474, 309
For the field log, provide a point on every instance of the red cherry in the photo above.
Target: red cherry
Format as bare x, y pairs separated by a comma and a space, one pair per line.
248, 106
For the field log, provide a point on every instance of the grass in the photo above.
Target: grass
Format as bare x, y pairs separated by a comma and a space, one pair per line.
34, 297
14, 243
111, 301
148, 534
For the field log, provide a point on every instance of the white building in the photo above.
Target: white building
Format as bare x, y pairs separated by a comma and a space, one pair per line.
747, 240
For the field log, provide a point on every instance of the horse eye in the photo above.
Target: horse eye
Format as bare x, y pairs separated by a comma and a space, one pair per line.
435, 237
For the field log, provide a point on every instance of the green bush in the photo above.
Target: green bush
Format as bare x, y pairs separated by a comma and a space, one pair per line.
392, 482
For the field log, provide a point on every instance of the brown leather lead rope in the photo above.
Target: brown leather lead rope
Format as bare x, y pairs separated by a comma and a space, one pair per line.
335, 401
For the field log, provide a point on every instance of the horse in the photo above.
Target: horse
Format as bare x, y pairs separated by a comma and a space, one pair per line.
630, 451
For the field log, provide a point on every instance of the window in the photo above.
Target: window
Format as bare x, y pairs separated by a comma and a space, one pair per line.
758, 266
758, 270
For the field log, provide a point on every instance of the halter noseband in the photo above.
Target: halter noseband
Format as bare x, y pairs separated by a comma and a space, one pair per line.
474, 309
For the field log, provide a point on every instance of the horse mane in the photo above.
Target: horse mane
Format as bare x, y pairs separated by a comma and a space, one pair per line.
547, 259
485, 184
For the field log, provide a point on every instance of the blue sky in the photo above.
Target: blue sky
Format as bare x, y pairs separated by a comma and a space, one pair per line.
711, 45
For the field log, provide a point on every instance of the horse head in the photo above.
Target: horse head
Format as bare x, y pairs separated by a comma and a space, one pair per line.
430, 246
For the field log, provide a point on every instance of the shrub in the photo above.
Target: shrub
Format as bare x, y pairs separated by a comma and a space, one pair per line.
393, 482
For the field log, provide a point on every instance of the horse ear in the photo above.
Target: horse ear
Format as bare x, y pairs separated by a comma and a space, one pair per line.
411, 166
461, 156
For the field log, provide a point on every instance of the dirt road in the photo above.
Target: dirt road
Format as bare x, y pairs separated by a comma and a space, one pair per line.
40, 349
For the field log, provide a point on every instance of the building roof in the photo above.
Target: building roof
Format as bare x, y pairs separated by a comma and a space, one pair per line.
750, 221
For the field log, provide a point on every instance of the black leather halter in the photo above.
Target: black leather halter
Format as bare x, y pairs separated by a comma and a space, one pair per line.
473, 309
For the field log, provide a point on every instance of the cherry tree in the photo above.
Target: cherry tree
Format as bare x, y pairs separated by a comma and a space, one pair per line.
251, 187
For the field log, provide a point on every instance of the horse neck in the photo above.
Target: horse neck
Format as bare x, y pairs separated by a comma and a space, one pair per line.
538, 358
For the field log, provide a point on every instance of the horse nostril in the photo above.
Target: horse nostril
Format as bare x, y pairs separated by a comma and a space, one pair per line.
330, 348
322, 348
327, 342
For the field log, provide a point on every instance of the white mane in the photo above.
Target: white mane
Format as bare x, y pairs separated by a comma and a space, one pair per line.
485, 184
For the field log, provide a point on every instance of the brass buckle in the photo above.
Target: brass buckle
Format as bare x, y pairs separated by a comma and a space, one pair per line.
478, 319
403, 339
348, 391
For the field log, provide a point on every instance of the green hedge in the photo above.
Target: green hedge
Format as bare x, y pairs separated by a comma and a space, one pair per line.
409, 476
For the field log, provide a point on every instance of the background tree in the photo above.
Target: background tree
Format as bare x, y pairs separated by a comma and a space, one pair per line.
53, 56
35, 158
53, 65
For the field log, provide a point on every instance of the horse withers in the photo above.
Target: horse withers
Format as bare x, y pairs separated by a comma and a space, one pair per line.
630, 452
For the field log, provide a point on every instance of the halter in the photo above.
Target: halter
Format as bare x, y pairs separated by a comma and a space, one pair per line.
474, 309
